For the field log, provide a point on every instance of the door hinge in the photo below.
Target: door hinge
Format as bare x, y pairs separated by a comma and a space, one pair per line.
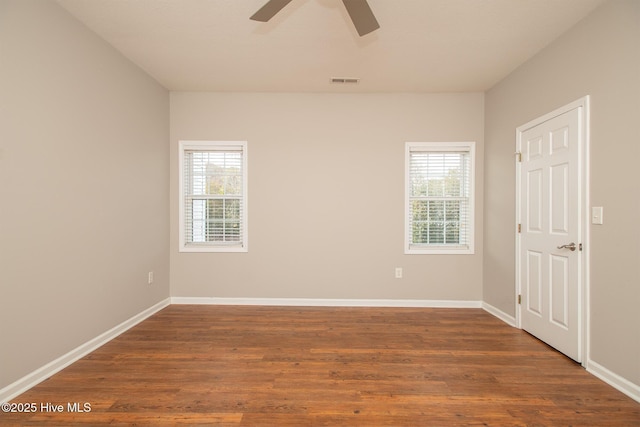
519, 228
519, 299
518, 156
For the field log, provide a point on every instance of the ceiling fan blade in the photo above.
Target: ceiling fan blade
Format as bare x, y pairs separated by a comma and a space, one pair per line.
362, 16
269, 10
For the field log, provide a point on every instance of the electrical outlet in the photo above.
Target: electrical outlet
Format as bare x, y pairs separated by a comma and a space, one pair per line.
150, 277
398, 272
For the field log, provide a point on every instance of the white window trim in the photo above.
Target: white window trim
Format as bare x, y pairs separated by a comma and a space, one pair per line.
183, 146
469, 147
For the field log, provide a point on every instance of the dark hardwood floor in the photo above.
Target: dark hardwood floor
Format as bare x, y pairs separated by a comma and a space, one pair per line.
304, 366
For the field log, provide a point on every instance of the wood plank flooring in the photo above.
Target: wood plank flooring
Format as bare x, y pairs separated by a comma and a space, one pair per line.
310, 366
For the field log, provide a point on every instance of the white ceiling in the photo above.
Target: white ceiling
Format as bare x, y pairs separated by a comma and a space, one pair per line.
422, 45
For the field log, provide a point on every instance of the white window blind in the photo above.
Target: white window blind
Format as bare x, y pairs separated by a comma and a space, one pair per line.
213, 196
439, 198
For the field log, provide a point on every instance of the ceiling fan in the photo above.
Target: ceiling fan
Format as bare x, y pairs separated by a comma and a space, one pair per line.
359, 11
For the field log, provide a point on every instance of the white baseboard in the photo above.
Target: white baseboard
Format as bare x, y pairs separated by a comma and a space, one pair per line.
25, 383
614, 380
313, 302
30, 380
506, 318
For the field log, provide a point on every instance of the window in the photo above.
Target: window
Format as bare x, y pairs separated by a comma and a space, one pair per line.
213, 196
439, 198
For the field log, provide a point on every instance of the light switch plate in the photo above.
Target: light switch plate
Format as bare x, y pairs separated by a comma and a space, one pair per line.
596, 215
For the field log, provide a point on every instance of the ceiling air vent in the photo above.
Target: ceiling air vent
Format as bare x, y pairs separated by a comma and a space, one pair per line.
345, 80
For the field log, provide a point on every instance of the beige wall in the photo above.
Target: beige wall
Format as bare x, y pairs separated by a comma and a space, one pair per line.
326, 192
83, 187
599, 57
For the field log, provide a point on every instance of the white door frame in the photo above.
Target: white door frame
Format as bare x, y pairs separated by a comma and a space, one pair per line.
583, 202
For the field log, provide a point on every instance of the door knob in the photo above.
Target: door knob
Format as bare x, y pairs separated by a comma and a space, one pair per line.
571, 246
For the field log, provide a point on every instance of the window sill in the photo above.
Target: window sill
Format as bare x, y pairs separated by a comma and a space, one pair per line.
205, 248
439, 251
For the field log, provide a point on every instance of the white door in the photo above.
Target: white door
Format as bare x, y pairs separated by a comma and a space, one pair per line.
550, 229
